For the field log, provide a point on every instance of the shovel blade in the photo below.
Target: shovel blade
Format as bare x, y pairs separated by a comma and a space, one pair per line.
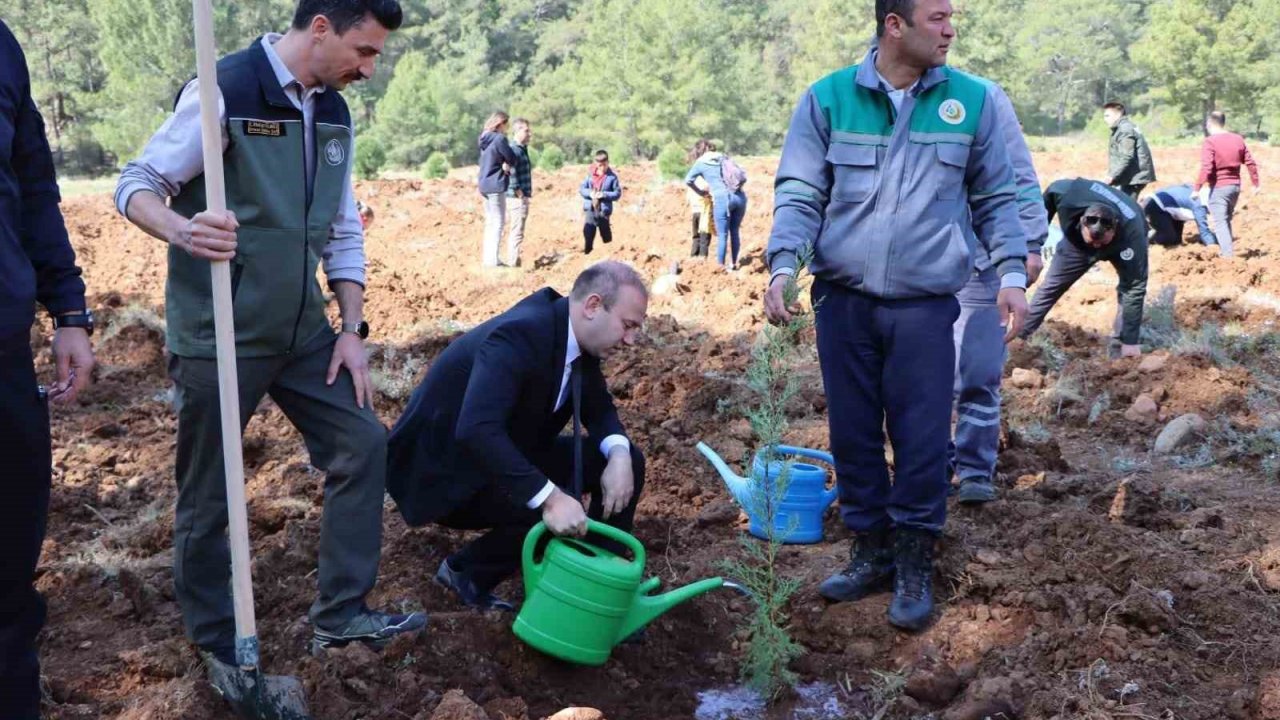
255, 696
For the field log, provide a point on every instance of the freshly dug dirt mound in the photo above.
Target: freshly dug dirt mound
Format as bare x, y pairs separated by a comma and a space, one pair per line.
1103, 583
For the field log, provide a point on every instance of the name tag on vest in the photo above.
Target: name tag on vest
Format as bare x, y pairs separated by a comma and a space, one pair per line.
264, 128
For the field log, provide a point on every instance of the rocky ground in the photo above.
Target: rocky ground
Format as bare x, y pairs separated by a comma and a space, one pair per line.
1113, 579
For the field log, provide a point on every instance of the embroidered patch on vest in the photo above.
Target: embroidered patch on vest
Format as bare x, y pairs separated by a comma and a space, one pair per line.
334, 153
1126, 254
264, 128
951, 111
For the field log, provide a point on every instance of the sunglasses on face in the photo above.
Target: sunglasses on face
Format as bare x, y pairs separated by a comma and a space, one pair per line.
1101, 223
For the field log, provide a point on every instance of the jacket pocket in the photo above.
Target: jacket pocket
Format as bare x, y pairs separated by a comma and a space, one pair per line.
952, 161
854, 169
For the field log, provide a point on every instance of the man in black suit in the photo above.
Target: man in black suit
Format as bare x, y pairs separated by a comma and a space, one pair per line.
479, 446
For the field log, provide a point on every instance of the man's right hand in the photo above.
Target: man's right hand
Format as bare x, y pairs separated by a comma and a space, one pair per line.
775, 306
208, 236
563, 515
1035, 265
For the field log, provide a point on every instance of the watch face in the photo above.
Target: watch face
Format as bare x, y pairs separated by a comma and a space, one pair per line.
363, 330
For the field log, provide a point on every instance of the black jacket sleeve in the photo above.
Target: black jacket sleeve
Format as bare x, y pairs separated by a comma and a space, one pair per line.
43, 234
497, 378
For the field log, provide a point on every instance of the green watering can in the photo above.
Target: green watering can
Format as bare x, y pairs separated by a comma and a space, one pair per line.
581, 600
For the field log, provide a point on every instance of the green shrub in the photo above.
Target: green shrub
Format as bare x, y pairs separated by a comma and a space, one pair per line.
551, 159
371, 156
436, 167
671, 163
534, 157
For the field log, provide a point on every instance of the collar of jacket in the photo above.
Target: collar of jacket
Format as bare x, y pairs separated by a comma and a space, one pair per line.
266, 74
870, 79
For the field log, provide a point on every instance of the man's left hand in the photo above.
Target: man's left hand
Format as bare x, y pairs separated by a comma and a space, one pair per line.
74, 358
1013, 311
618, 481
349, 352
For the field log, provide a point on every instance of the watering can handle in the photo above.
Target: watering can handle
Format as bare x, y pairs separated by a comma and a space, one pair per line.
806, 452
614, 533
828, 496
532, 570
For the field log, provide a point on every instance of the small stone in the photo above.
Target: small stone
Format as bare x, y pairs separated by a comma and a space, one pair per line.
718, 514
1268, 703
665, 285
457, 706
1153, 363
1144, 410
934, 683
507, 709
1024, 378
987, 556
578, 713
1196, 579
1177, 432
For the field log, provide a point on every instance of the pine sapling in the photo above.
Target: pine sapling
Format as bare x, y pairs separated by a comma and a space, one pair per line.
772, 383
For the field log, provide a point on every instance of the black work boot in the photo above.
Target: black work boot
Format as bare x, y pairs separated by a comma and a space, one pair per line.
870, 568
913, 584
976, 490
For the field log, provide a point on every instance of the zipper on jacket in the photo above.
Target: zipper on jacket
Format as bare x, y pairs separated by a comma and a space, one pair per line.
306, 229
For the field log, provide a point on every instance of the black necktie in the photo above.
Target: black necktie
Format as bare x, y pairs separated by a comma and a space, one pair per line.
575, 383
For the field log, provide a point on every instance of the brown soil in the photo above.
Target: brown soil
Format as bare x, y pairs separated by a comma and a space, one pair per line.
1099, 567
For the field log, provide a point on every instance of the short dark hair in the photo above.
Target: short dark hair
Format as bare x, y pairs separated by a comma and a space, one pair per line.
1113, 105
602, 155
346, 14
1219, 118
605, 278
902, 8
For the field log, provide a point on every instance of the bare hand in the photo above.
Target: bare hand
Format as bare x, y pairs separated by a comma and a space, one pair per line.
74, 358
618, 481
349, 352
775, 307
1130, 350
208, 236
564, 515
1013, 311
1035, 265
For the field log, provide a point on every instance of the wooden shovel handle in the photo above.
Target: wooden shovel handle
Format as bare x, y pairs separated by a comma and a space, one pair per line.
225, 338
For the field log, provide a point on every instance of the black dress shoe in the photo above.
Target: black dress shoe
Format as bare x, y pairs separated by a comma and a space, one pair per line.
462, 585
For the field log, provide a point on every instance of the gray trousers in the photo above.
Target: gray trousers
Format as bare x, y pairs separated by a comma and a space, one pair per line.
495, 219
1222, 206
344, 440
980, 355
515, 234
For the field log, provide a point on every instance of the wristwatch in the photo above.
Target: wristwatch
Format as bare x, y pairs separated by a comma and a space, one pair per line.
78, 320
360, 329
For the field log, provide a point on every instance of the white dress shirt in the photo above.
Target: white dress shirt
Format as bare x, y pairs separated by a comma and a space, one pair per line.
573, 352
174, 156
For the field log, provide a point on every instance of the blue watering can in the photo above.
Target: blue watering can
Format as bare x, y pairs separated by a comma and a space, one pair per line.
798, 519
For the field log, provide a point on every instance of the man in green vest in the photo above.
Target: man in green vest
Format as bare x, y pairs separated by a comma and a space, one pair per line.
884, 165
287, 147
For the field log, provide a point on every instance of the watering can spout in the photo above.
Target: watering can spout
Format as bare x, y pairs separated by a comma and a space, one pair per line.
736, 483
647, 607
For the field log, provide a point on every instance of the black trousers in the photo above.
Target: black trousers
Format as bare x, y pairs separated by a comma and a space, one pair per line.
24, 505
1168, 230
1131, 190
494, 556
590, 222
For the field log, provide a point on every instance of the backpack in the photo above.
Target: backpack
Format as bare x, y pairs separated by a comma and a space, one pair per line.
733, 175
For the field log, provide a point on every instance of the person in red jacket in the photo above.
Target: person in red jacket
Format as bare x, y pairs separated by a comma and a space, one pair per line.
1218, 184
